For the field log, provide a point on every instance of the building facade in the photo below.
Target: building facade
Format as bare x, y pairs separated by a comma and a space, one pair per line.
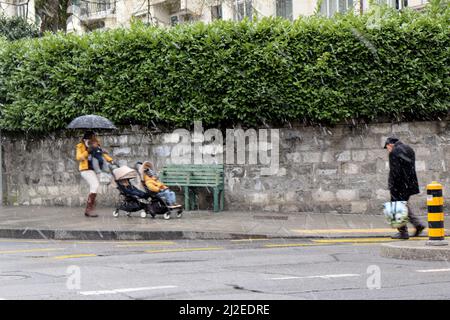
21, 8
105, 14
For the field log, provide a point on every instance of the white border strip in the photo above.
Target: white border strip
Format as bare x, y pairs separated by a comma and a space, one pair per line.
126, 290
434, 270
326, 276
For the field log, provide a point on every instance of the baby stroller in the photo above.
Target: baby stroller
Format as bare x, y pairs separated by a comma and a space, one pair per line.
133, 199
156, 199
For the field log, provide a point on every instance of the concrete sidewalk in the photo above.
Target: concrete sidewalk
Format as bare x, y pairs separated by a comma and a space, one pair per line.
70, 223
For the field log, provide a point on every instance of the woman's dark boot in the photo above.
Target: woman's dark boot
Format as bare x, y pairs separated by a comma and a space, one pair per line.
90, 206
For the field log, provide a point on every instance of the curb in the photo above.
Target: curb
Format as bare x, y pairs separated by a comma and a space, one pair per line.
415, 250
59, 234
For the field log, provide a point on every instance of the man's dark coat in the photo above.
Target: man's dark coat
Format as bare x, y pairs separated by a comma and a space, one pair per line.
402, 175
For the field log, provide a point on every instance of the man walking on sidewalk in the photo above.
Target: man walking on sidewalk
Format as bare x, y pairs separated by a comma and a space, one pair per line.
403, 181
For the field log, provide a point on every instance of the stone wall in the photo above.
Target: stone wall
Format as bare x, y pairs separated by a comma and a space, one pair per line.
340, 169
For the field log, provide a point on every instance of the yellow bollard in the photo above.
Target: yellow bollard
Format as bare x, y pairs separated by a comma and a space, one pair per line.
435, 203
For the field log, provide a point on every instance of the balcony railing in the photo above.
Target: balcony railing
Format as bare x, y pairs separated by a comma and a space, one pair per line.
97, 9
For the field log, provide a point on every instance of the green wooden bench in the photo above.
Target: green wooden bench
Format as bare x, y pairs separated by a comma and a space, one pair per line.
196, 175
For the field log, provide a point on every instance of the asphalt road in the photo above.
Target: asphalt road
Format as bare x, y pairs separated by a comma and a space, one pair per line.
237, 269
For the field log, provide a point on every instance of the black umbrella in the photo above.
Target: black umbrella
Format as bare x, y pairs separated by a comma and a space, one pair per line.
91, 122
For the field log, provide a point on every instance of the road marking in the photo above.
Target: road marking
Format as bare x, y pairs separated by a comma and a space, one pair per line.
74, 256
287, 245
184, 250
30, 250
145, 244
126, 290
249, 240
434, 270
326, 276
312, 231
353, 240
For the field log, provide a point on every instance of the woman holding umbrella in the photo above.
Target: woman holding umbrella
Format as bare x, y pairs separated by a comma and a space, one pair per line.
84, 155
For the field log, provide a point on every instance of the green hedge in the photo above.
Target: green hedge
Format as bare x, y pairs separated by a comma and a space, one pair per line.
254, 72
14, 28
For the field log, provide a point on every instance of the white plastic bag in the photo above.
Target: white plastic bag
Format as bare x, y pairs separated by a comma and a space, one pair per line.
396, 213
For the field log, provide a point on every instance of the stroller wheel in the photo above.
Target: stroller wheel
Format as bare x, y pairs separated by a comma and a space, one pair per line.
179, 214
167, 215
143, 214
116, 213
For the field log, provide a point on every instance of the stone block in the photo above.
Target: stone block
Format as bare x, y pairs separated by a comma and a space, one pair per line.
359, 155
343, 156
346, 195
272, 208
434, 164
311, 157
422, 152
421, 166
369, 168
53, 191
295, 157
126, 151
381, 128
350, 168
382, 194
42, 190
358, 207
164, 151
328, 156
365, 194
289, 208
400, 127
327, 172
373, 155
36, 202
323, 196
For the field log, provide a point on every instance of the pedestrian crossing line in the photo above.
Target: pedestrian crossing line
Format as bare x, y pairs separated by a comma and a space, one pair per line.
434, 270
125, 290
30, 250
326, 276
74, 256
184, 250
287, 245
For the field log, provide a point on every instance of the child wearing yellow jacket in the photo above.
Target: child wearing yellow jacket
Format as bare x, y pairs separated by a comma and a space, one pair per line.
155, 185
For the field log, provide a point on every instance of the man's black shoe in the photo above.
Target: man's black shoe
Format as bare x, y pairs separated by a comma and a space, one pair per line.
400, 236
419, 230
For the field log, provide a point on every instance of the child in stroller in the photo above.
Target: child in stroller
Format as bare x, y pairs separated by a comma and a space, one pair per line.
156, 188
134, 199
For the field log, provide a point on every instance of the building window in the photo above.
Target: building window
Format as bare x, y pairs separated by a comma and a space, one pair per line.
242, 9
284, 9
21, 8
330, 7
173, 20
216, 12
397, 4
